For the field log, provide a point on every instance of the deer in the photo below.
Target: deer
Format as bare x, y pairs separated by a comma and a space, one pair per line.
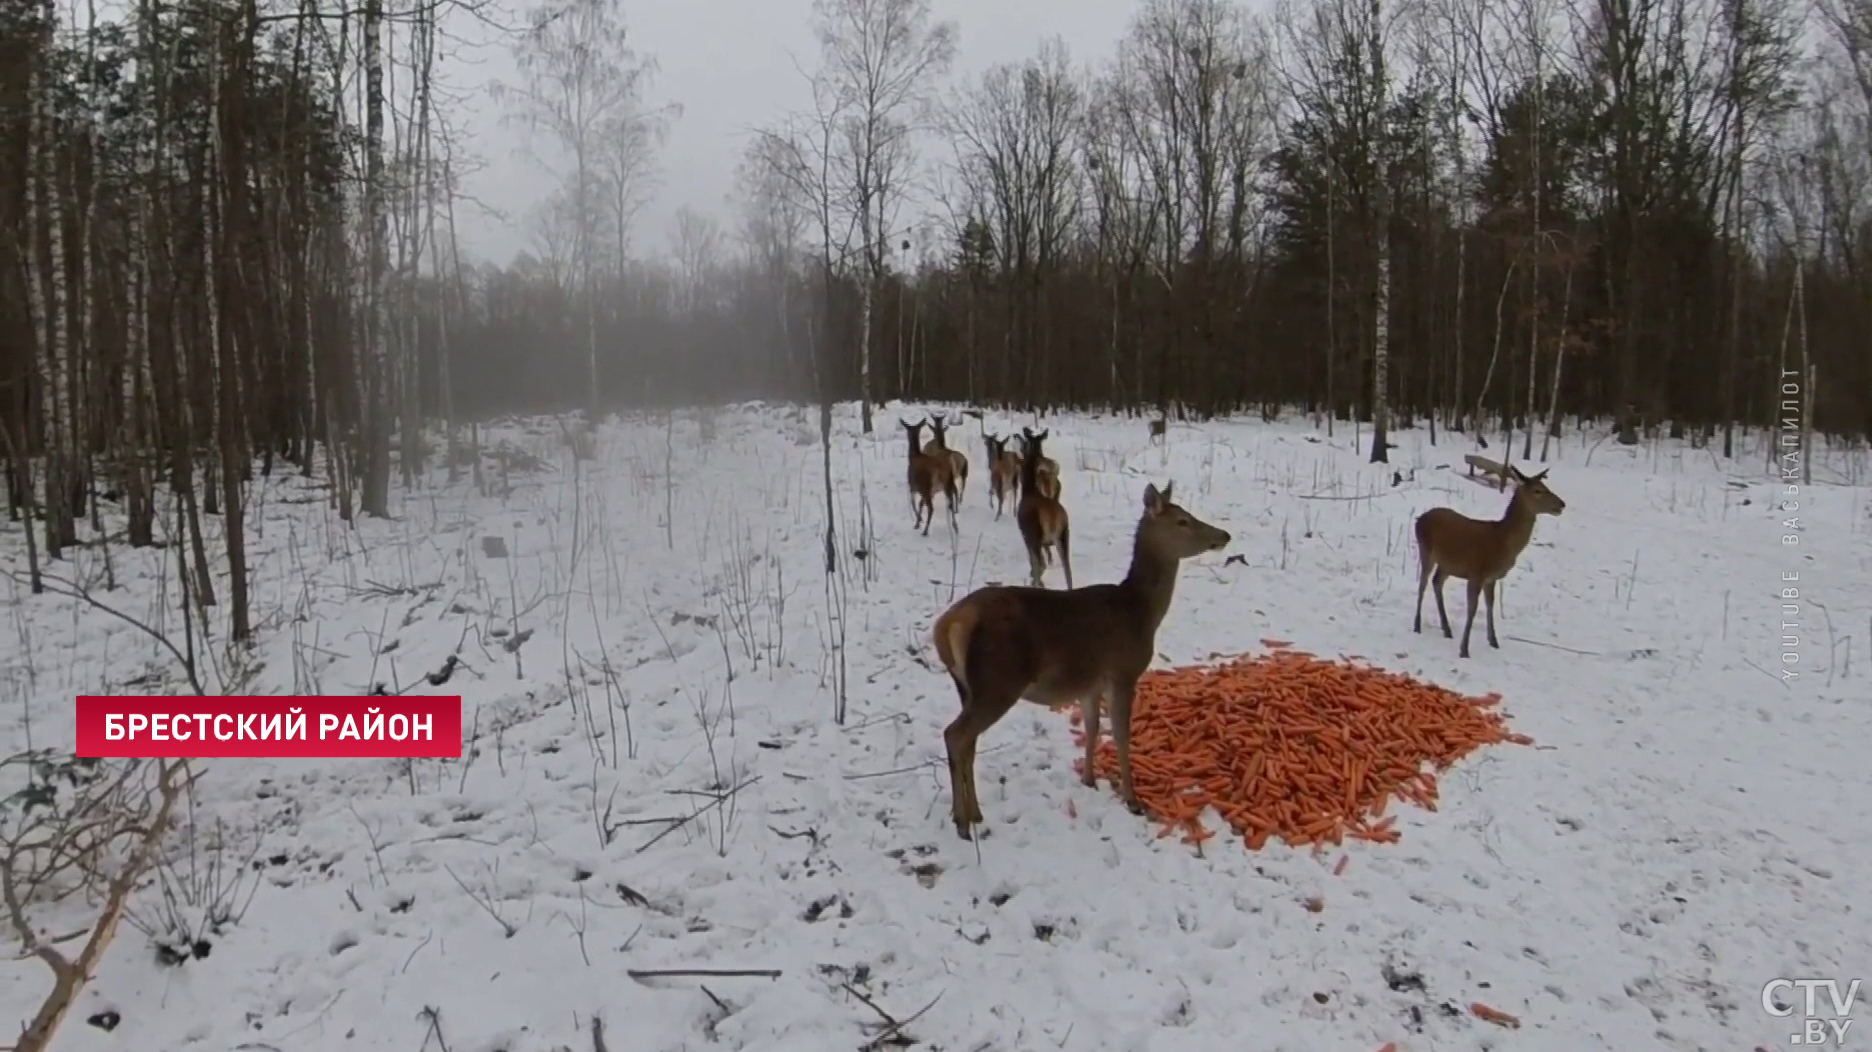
1003, 472
939, 445
1043, 522
1006, 643
1479, 551
1046, 477
927, 474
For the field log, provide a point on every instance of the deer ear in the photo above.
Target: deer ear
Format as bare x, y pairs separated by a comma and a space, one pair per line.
1168, 486
1153, 500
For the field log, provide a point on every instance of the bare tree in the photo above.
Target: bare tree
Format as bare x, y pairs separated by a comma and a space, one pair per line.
1192, 97
879, 59
376, 374
1015, 133
799, 161
1339, 87
627, 170
582, 84
1757, 94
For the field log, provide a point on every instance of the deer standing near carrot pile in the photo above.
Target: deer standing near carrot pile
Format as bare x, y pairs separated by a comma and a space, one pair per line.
1005, 643
939, 447
1479, 551
927, 474
1003, 472
1043, 522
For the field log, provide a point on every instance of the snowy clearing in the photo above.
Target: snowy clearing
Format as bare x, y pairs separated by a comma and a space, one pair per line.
1686, 828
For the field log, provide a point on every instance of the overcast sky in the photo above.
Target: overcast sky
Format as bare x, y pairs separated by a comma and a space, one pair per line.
730, 63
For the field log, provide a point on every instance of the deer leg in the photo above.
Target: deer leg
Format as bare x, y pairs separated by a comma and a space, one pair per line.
1423, 581
929, 513
1089, 713
1121, 697
959, 739
1488, 595
984, 710
1036, 568
1436, 581
1475, 593
1065, 553
952, 747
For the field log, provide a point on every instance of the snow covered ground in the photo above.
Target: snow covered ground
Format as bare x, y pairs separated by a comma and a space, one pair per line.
1688, 827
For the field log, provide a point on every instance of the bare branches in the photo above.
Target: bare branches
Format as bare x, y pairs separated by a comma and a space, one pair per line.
79, 824
583, 85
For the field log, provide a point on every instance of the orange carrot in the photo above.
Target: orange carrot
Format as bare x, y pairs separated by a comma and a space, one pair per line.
1491, 1015
1291, 746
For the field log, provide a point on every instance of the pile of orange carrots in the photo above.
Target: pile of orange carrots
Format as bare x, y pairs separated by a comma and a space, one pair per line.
1288, 745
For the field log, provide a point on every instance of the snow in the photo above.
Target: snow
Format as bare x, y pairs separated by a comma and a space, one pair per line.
1687, 827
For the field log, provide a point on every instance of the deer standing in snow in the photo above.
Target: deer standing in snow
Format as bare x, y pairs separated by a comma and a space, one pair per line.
1002, 644
1479, 551
1043, 522
1003, 472
927, 474
939, 447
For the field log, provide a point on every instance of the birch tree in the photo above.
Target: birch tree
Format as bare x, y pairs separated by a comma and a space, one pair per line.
880, 59
583, 85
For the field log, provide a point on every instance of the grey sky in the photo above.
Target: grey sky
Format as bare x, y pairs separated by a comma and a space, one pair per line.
728, 63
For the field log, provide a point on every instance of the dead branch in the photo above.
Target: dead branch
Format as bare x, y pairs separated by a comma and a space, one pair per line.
70, 976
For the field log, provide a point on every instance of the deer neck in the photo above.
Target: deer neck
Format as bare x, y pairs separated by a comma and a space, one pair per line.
1517, 523
1151, 580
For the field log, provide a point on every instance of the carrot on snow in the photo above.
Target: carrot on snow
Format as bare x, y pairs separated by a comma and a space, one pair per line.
1291, 746
1491, 1015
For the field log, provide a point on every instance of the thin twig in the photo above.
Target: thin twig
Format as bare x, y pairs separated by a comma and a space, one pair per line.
892, 1027
703, 973
676, 824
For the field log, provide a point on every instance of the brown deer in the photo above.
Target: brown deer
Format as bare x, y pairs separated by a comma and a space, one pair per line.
939, 445
1003, 472
1046, 477
927, 474
1479, 551
1043, 522
1157, 428
1005, 643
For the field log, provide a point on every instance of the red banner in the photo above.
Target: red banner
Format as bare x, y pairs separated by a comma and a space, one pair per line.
269, 726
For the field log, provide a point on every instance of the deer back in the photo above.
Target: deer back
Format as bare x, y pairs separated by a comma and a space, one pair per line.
1486, 549
1059, 644
926, 473
1041, 518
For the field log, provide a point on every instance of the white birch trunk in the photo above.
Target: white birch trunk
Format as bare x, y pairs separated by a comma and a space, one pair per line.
376, 372
58, 356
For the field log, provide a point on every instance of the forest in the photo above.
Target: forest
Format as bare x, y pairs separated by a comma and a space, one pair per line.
233, 239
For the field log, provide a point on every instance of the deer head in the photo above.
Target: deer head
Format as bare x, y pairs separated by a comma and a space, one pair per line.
1169, 530
1533, 489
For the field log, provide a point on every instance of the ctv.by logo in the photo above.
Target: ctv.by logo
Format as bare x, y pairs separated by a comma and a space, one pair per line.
1817, 1028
